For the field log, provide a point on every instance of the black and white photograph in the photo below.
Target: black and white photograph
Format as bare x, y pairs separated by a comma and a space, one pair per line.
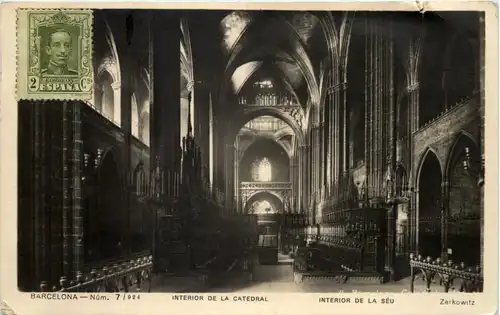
261, 151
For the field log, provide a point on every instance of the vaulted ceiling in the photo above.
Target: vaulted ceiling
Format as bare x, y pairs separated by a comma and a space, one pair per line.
290, 44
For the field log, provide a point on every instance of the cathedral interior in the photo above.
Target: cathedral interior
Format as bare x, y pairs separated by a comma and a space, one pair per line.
274, 150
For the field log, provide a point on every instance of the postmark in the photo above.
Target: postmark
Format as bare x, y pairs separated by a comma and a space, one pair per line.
54, 54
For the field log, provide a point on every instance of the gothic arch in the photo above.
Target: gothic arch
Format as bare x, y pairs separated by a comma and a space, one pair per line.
108, 65
283, 132
106, 100
429, 203
187, 58
464, 138
111, 154
258, 137
297, 52
250, 198
113, 49
337, 40
423, 158
252, 113
246, 17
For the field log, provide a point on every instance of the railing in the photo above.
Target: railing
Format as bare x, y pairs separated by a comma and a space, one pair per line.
449, 275
266, 185
114, 277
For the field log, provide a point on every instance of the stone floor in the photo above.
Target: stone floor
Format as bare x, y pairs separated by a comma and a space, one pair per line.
279, 278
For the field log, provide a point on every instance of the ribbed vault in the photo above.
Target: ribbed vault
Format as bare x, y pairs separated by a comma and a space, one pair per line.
283, 41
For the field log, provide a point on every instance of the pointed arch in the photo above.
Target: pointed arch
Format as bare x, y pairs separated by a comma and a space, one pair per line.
252, 113
345, 40
429, 204
243, 73
331, 35
186, 40
428, 152
106, 101
231, 34
258, 137
249, 71
276, 197
109, 156
462, 139
297, 52
107, 76
110, 39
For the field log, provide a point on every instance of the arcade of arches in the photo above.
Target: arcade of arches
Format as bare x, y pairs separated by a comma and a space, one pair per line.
276, 130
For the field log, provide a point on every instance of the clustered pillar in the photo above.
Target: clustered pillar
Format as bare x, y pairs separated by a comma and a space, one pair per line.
165, 105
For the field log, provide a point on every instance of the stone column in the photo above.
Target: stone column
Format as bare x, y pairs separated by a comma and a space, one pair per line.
336, 107
165, 104
76, 187
229, 178
66, 195
237, 176
444, 217
55, 191
40, 213
329, 139
125, 119
72, 217
202, 121
117, 106
301, 185
211, 151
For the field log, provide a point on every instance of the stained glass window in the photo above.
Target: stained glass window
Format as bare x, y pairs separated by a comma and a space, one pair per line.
262, 170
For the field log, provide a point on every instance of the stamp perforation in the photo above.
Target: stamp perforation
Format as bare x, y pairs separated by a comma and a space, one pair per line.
82, 95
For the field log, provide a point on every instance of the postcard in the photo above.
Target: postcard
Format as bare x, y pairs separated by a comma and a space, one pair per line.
249, 158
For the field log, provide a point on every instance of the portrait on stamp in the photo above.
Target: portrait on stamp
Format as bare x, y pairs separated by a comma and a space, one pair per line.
56, 54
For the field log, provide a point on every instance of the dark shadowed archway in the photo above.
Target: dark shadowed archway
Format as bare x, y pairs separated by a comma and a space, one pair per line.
106, 219
429, 206
464, 206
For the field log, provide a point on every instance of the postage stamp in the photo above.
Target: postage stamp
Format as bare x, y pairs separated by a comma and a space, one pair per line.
54, 54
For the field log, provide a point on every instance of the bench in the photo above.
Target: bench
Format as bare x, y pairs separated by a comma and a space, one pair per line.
337, 262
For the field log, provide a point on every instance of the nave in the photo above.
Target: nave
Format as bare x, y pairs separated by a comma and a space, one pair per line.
279, 279
215, 139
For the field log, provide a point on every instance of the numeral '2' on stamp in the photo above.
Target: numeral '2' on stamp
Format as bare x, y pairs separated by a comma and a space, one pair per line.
54, 54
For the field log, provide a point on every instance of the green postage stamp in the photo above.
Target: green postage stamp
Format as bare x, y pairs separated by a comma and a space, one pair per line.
54, 54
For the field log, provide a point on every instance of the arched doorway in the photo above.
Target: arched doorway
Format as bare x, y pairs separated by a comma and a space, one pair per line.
429, 207
105, 222
267, 207
463, 222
